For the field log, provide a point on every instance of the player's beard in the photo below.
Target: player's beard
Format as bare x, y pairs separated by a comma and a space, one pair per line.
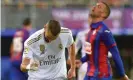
50, 36
93, 16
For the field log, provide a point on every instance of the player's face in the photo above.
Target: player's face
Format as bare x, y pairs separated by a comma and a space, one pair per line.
48, 33
98, 10
29, 26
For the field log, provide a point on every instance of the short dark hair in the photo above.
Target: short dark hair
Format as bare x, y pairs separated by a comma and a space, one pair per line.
54, 27
27, 21
107, 10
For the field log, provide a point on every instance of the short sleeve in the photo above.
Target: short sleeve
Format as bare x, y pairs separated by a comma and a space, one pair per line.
27, 53
70, 39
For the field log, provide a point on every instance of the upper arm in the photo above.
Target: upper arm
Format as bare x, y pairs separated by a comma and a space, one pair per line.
27, 53
108, 39
78, 43
28, 46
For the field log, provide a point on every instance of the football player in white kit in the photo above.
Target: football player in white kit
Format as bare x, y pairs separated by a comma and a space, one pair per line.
44, 53
80, 43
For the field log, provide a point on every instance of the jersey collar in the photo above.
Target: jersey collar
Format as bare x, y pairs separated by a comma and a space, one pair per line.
96, 25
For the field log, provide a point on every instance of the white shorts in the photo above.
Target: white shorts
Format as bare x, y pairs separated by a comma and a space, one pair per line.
82, 71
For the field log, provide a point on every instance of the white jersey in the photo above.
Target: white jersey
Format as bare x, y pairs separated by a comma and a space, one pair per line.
80, 41
51, 56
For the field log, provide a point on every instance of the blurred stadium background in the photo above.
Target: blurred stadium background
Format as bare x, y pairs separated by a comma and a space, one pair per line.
70, 13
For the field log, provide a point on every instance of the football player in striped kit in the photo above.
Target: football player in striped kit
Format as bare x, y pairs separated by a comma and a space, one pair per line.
17, 50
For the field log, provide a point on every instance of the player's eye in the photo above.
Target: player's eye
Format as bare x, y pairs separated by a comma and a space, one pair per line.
99, 6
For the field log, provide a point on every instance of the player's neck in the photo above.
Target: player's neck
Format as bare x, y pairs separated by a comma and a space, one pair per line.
96, 20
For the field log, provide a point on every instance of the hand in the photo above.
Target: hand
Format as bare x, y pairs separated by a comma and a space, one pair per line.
71, 73
34, 66
124, 78
78, 63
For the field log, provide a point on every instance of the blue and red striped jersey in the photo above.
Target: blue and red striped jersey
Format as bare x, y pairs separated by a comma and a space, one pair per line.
98, 42
18, 43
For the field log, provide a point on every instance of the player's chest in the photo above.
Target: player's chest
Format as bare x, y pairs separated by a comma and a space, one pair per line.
92, 36
54, 47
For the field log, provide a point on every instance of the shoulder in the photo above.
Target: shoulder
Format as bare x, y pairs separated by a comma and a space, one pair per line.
65, 33
34, 37
105, 29
65, 30
19, 33
83, 33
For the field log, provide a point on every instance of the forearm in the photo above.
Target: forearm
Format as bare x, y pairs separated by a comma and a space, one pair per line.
72, 55
117, 60
24, 64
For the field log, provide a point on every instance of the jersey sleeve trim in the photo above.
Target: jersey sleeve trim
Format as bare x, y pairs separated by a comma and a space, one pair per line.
31, 41
65, 30
112, 45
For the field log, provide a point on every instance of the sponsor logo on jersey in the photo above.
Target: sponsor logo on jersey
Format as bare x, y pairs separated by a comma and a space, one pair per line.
88, 48
60, 46
107, 31
51, 60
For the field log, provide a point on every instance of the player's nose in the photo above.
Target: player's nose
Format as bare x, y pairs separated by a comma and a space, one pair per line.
93, 8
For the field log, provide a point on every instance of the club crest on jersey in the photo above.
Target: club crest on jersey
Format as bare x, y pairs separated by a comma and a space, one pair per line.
42, 48
94, 32
60, 46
